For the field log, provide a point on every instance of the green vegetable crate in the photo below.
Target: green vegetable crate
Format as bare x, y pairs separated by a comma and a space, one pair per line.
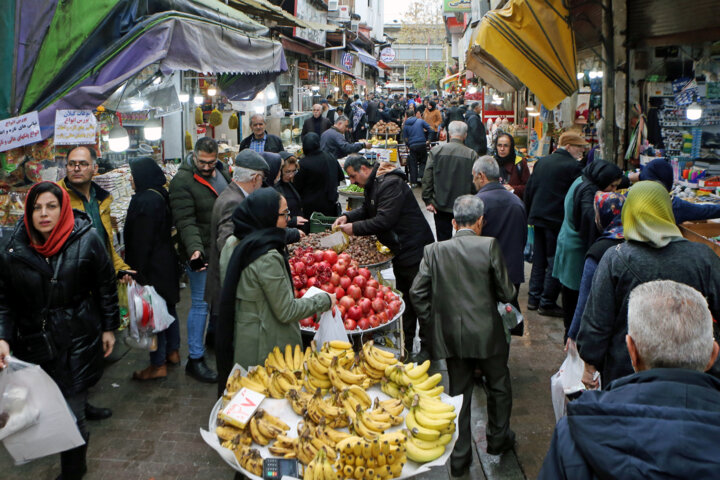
320, 222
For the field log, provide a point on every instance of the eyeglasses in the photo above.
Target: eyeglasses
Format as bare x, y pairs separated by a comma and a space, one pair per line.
290, 172
204, 163
286, 213
77, 165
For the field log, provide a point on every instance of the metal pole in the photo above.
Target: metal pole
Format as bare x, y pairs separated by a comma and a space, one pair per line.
404, 81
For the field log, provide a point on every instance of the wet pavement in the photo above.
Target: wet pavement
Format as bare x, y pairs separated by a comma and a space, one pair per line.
154, 430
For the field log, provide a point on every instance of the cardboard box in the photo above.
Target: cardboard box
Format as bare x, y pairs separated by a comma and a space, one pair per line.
241, 408
702, 233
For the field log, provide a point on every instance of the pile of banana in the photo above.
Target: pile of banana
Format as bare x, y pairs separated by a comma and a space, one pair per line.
383, 457
405, 381
320, 468
374, 361
321, 372
318, 409
369, 423
265, 427
291, 362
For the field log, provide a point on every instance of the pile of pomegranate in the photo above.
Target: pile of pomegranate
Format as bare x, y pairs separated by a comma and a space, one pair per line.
362, 301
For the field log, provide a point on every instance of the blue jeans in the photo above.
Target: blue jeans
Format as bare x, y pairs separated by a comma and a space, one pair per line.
544, 289
197, 316
167, 340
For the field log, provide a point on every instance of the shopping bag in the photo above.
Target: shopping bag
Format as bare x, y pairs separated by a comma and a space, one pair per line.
18, 409
161, 317
530, 244
567, 381
140, 330
55, 430
331, 328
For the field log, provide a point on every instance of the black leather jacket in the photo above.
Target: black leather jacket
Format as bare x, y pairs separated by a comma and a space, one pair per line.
86, 294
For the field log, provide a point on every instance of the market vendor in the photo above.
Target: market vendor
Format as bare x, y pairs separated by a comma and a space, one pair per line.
660, 170
333, 140
87, 196
261, 141
391, 212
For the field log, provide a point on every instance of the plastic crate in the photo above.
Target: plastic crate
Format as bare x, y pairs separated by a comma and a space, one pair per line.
320, 222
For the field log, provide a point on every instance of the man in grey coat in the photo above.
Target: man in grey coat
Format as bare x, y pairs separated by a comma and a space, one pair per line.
455, 294
448, 174
247, 177
333, 140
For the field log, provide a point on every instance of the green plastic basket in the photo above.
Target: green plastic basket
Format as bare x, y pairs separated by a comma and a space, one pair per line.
320, 222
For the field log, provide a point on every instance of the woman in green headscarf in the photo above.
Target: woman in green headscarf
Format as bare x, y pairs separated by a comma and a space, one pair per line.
654, 249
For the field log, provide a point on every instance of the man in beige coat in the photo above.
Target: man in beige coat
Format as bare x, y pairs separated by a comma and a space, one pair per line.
455, 294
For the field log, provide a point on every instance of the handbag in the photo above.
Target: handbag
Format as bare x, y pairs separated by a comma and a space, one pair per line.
40, 348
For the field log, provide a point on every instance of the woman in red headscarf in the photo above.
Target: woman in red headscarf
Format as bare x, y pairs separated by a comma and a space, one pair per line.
75, 314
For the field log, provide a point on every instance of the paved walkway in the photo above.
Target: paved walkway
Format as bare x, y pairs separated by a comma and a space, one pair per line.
154, 431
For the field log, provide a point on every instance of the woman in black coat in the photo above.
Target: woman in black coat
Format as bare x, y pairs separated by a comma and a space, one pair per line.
80, 307
318, 179
149, 248
284, 185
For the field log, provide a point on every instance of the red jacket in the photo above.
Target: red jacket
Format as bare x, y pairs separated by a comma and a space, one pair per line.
516, 175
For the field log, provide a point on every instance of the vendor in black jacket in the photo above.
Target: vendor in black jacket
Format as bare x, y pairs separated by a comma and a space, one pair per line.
391, 212
318, 179
260, 140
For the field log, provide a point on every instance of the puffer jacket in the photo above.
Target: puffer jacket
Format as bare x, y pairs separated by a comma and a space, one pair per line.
416, 131
191, 201
390, 212
85, 294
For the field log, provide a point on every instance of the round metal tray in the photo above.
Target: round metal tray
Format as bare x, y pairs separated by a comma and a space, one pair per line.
355, 332
377, 266
345, 193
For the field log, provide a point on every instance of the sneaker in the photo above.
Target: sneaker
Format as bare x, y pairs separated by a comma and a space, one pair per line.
553, 311
197, 369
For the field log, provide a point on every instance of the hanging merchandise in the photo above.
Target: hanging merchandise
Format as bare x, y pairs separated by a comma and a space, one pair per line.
188, 141
199, 116
215, 118
638, 137
233, 122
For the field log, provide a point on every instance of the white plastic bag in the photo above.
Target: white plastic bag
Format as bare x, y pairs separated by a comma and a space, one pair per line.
161, 318
140, 308
331, 328
55, 430
566, 381
18, 409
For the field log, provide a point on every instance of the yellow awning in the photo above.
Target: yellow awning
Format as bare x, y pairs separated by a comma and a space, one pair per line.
449, 78
535, 42
490, 71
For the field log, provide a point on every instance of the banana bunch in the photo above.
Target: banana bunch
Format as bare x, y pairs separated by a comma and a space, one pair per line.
249, 458
291, 361
406, 381
226, 431
285, 447
341, 377
316, 372
282, 381
318, 409
375, 361
298, 400
337, 348
309, 445
256, 380
430, 427
383, 457
265, 427
320, 468
321, 437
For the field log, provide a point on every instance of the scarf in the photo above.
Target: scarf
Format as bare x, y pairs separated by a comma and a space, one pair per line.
608, 210
647, 215
255, 221
60, 232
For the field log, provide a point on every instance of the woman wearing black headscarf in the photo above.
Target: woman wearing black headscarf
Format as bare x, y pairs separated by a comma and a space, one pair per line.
149, 248
284, 185
514, 170
318, 179
258, 309
274, 161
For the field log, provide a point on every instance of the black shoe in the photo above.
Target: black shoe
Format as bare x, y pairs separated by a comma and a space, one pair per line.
197, 369
459, 472
532, 306
96, 413
553, 311
506, 446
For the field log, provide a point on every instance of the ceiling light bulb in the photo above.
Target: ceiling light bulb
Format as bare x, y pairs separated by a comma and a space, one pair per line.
157, 80
593, 74
534, 114
530, 108
260, 109
694, 111
212, 91
153, 129
183, 97
600, 74
118, 139
198, 99
580, 75
137, 104
337, 89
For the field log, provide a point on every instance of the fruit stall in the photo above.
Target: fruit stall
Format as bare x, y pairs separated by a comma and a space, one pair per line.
369, 306
334, 413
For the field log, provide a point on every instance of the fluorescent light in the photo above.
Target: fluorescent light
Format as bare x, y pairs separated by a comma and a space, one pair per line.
694, 111
599, 74
580, 75
153, 129
592, 74
530, 108
157, 80
198, 99
184, 97
137, 104
337, 89
118, 139
260, 109
315, 88
211, 91
534, 114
